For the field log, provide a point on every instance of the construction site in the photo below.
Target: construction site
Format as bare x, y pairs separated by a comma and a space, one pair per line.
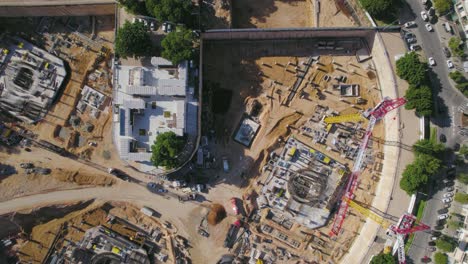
301, 133
80, 112
93, 232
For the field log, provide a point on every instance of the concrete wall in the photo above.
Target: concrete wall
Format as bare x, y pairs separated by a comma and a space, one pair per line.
58, 10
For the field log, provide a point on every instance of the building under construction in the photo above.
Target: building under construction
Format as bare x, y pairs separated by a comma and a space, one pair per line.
30, 79
302, 185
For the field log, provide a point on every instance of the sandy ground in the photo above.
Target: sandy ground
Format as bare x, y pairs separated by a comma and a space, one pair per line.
278, 120
64, 175
272, 14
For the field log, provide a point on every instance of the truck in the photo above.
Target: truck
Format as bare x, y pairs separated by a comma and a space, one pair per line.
189, 197
147, 211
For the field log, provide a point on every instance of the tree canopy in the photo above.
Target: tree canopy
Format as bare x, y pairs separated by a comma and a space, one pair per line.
178, 45
426, 146
176, 11
455, 44
412, 69
440, 258
446, 244
457, 77
132, 40
463, 178
461, 197
442, 6
417, 174
133, 6
420, 99
379, 8
383, 259
165, 150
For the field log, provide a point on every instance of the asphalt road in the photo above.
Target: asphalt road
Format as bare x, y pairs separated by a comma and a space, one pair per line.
447, 117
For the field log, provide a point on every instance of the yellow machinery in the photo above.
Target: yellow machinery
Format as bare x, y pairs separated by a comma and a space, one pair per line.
344, 118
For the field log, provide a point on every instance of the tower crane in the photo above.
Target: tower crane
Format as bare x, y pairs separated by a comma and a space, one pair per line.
407, 224
373, 115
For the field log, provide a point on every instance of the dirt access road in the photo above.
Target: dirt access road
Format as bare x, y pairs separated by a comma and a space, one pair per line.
179, 214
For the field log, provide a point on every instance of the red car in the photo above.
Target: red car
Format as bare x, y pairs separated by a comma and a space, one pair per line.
234, 206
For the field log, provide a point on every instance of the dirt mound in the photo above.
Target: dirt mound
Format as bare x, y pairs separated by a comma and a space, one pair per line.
85, 179
216, 215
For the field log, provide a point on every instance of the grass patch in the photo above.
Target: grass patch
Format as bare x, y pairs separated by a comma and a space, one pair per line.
409, 242
422, 205
433, 136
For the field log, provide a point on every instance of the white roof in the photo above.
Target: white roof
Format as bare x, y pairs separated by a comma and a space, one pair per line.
134, 104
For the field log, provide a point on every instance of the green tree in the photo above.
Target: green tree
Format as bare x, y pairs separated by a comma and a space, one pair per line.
132, 40
383, 259
461, 198
455, 44
133, 6
176, 11
446, 244
379, 8
178, 46
165, 150
426, 146
463, 150
457, 77
463, 178
420, 99
412, 69
417, 174
442, 6
463, 87
440, 258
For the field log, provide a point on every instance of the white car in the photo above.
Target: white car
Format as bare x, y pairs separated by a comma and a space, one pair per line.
429, 27
414, 47
448, 195
447, 200
424, 16
449, 64
431, 61
442, 216
409, 24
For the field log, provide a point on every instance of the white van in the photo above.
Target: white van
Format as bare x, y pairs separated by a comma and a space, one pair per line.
447, 27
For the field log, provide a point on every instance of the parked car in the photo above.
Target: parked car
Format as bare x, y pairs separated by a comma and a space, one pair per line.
431, 61
429, 27
152, 26
424, 2
431, 249
415, 47
447, 27
442, 211
118, 173
449, 189
409, 24
433, 238
449, 64
442, 216
447, 200
448, 195
411, 40
424, 16
409, 35
27, 165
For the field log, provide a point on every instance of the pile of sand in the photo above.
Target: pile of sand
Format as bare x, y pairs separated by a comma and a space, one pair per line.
216, 214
